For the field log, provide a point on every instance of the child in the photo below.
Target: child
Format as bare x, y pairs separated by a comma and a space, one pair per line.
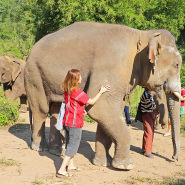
75, 100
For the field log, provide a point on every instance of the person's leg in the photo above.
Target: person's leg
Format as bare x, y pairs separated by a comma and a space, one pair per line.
71, 163
73, 137
148, 127
127, 115
62, 169
169, 128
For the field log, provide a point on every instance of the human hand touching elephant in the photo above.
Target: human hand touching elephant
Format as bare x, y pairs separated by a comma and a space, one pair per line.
104, 89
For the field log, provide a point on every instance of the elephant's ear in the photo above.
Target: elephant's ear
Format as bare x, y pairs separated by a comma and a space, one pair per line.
154, 46
16, 70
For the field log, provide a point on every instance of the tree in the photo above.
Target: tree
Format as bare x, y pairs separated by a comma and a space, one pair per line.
16, 28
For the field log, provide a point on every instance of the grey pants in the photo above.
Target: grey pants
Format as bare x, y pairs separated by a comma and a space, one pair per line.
73, 138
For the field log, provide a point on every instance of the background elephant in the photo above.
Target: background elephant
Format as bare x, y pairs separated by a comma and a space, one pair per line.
117, 55
161, 111
12, 78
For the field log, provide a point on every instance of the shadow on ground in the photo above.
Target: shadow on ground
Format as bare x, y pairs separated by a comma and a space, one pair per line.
22, 131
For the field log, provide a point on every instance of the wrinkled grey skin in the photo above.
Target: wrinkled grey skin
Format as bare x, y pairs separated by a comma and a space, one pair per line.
105, 54
161, 111
12, 78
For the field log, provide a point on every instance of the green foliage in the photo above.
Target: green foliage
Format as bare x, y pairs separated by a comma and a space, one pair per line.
135, 100
88, 119
9, 110
182, 129
140, 14
182, 75
181, 44
16, 28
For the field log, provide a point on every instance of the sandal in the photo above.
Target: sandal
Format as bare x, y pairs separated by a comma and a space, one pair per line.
59, 175
73, 170
149, 155
167, 134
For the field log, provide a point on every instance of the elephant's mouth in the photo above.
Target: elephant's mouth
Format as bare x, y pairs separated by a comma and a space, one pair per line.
158, 90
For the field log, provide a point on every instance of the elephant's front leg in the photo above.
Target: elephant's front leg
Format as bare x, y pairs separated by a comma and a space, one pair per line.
121, 137
113, 124
102, 143
56, 137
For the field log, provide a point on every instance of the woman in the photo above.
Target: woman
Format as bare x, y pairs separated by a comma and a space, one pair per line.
148, 118
75, 100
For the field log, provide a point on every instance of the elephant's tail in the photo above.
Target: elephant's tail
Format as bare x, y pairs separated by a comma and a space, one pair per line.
31, 124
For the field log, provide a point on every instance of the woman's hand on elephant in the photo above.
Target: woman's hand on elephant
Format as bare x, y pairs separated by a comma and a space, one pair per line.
104, 89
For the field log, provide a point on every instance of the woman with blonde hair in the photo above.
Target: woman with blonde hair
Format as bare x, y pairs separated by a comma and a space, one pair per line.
75, 100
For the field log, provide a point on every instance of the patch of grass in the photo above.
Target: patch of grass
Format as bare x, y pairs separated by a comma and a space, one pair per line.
130, 181
88, 119
37, 182
8, 162
23, 119
181, 174
166, 181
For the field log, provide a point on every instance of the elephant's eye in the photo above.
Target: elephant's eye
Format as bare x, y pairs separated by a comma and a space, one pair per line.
176, 64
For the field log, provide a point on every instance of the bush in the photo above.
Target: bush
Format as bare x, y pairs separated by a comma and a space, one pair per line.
9, 110
135, 96
88, 119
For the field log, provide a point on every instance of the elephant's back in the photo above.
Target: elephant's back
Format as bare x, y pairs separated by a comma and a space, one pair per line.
78, 42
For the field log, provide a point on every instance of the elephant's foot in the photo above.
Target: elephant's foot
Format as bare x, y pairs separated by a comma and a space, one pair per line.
23, 111
99, 161
158, 127
41, 146
126, 164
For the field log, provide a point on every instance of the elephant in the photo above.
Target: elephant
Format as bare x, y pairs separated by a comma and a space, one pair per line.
112, 54
12, 78
161, 111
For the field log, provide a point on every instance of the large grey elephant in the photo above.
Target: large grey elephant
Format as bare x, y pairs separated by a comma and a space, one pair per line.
12, 78
117, 55
161, 111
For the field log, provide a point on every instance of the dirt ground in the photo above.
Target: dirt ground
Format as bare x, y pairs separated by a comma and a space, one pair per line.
40, 167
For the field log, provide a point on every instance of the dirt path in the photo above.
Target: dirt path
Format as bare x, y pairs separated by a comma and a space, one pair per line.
40, 167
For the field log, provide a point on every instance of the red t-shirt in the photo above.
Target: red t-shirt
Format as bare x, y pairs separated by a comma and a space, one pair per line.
183, 94
75, 104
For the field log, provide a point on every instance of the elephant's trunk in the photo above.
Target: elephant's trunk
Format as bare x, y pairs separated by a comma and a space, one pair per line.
174, 112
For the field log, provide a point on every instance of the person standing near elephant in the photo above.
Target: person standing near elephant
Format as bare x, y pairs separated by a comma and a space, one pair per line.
148, 118
75, 100
128, 102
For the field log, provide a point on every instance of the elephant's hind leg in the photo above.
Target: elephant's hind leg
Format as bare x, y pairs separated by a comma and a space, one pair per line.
56, 138
38, 128
103, 144
39, 141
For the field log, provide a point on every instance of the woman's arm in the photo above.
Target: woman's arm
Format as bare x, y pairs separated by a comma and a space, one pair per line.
102, 90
